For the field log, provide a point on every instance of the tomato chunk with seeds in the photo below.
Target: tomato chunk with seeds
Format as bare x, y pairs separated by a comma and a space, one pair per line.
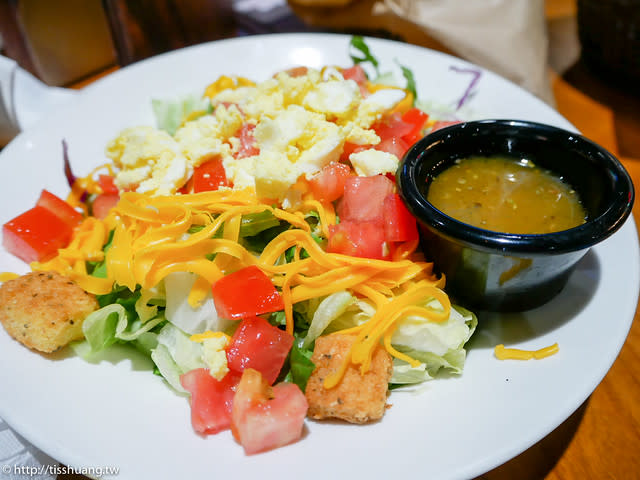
211, 400
36, 235
259, 345
246, 293
59, 208
265, 417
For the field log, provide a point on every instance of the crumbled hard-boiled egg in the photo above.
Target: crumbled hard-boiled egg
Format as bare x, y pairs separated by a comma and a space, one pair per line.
150, 161
209, 135
301, 124
294, 143
333, 98
214, 355
373, 162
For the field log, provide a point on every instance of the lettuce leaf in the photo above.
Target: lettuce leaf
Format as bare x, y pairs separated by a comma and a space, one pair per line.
171, 113
330, 308
168, 368
190, 320
111, 324
300, 365
360, 53
437, 345
186, 353
176, 354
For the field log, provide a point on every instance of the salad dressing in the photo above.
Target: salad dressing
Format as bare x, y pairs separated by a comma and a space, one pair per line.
503, 195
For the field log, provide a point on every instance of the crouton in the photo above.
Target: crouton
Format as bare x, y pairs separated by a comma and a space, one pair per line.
44, 310
357, 398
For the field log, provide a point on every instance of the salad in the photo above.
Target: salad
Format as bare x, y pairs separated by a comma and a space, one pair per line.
254, 246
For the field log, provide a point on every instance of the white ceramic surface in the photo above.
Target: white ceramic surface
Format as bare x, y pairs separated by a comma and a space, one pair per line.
117, 413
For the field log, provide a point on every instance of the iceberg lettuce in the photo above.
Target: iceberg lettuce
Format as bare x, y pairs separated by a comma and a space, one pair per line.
171, 113
188, 319
176, 354
437, 345
330, 308
111, 323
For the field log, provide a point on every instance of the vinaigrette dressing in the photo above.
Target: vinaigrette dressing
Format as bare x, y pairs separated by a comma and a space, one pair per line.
503, 195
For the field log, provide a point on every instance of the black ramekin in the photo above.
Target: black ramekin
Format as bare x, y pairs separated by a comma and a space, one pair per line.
499, 271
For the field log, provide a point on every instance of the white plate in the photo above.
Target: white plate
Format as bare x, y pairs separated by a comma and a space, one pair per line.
116, 413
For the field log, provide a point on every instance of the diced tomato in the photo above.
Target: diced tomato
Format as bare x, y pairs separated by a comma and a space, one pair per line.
417, 119
395, 145
355, 73
106, 184
211, 400
103, 203
246, 293
328, 184
363, 198
350, 148
399, 224
36, 235
443, 123
392, 126
358, 239
210, 175
398, 132
59, 208
259, 345
248, 146
265, 417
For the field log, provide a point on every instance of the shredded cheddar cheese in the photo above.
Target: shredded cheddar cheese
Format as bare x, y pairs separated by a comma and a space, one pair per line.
6, 276
201, 337
154, 236
225, 82
503, 353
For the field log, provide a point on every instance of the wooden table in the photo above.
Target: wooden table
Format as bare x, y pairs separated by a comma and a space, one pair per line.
602, 438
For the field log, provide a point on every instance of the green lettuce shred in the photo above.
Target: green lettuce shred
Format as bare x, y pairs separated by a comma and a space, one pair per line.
111, 324
360, 53
300, 365
171, 113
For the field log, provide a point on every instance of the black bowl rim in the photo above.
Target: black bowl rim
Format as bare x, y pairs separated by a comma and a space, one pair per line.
578, 238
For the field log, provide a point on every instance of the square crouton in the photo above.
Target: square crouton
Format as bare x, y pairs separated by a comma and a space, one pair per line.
357, 398
44, 310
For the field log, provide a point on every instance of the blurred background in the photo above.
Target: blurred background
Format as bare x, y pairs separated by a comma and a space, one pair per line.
592, 44
64, 41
